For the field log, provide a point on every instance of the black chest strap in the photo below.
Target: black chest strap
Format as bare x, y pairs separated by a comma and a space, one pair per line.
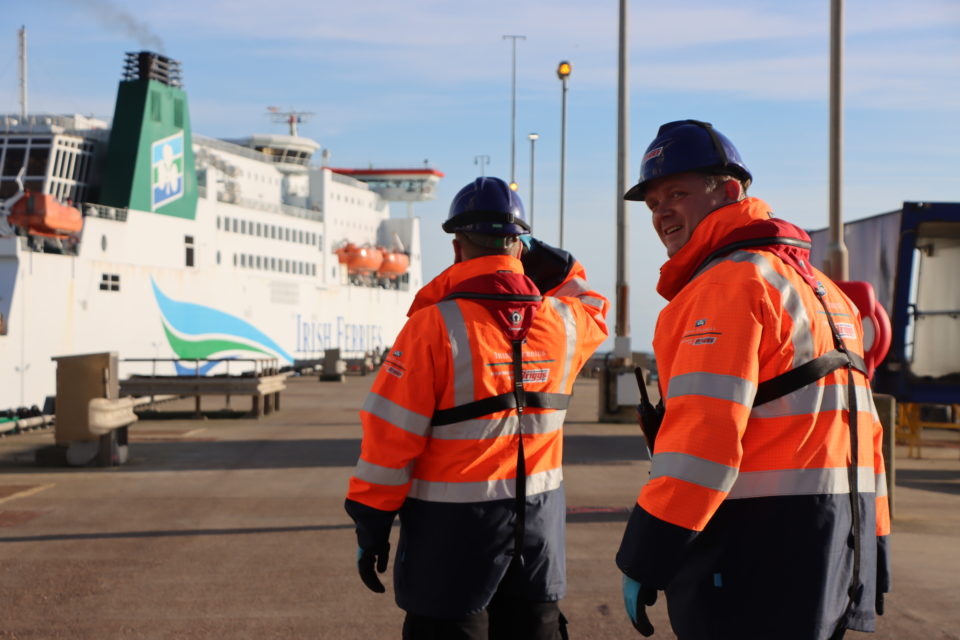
502, 402
801, 376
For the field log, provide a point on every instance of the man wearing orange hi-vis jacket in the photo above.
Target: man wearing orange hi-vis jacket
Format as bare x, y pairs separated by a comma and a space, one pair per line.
765, 515
463, 432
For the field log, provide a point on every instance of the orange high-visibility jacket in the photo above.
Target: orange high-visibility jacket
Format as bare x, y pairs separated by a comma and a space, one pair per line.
746, 517
451, 480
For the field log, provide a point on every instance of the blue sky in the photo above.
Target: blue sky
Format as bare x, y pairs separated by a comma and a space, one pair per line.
396, 83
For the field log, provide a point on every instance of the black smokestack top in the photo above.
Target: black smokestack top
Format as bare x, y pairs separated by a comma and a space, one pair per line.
147, 65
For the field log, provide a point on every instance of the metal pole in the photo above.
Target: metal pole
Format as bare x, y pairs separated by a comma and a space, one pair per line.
533, 139
22, 33
837, 266
563, 150
622, 341
513, 111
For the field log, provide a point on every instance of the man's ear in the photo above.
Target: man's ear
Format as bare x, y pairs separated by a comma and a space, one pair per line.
518, 249
733, 190
457, 251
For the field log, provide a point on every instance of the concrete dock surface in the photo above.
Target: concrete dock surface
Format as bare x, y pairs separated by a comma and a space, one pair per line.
234, 528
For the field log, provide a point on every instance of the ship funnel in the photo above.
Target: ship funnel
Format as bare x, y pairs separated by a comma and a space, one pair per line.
150, 164
147, 65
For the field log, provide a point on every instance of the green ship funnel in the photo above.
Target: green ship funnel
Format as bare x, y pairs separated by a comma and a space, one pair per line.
149, 165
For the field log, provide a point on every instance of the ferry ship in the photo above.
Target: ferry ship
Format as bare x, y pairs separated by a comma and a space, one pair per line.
151, 241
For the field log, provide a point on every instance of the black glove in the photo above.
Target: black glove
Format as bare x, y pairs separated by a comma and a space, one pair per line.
373, 541
879, 603
635, 599
366, 559
547, 266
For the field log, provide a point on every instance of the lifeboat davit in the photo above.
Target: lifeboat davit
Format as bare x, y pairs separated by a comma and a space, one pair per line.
394, 264
42, 215
360, 259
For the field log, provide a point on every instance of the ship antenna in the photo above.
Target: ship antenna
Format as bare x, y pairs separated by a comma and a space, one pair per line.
292, 118
22, 33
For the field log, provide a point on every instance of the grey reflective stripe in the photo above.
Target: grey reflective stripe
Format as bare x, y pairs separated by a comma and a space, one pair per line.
460, 349
813, 399
881, 483
799, 482
688, 468
592, 301
801, 336
507, 425
712, 385
484, 491
396, 415
572, 288
570, 329
382, 475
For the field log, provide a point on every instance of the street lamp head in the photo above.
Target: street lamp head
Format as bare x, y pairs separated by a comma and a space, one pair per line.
563, 70
514, 186
534, 136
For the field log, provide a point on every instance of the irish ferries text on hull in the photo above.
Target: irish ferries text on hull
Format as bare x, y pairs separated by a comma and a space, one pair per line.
148, 240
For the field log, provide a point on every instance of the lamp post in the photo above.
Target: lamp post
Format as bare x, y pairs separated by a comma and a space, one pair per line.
563, 72
533, 140
837, 266
481, 160
513, 114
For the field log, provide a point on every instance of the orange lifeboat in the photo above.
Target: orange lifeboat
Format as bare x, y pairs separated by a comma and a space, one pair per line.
394, 264
42, 215
360, 259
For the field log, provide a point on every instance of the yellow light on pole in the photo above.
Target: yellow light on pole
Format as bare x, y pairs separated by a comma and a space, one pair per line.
514, 186
563, 70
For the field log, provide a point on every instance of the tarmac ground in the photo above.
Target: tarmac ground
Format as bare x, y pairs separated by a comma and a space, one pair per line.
234, 528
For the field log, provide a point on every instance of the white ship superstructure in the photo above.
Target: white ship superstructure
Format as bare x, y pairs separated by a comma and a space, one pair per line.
153, 242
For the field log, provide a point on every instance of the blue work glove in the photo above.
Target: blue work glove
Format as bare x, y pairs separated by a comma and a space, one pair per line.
636, 598
366, 559
526, 239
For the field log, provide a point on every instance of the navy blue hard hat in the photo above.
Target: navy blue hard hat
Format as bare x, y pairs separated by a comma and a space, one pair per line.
688, 145
487, 205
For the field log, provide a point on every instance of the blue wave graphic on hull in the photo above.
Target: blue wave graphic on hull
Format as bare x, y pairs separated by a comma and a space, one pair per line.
195, 320
191, 370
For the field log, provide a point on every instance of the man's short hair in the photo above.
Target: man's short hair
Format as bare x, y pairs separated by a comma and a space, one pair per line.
487, 244
714, 180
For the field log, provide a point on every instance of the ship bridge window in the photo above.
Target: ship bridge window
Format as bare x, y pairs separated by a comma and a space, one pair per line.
109, 282
37, 161
13, 160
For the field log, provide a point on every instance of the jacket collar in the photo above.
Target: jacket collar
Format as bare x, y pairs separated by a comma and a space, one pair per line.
445, 283
750, 219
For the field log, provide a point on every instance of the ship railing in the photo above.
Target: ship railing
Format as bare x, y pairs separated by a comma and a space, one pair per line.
107, 213
300, 212
229, 147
